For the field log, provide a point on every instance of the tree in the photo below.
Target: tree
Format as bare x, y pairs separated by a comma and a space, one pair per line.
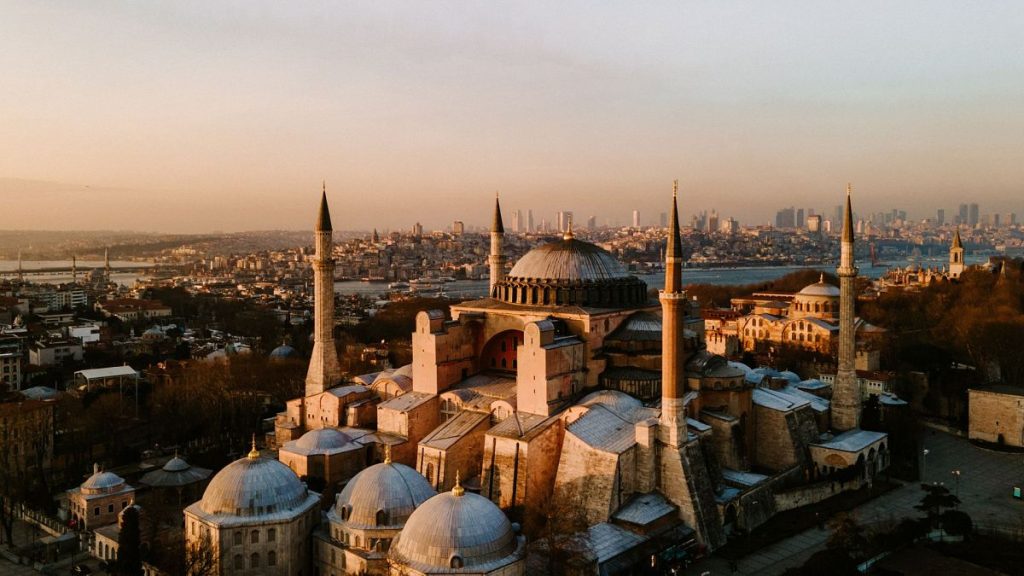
129, 552
847, 536
936, 497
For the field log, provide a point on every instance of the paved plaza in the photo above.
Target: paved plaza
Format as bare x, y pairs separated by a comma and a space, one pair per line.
985, 487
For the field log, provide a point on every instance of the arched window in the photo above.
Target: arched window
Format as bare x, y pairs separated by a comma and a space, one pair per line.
254, 560
271, 558
238, 537
382, 518
271, 535
238, 562
456, 562
254, 537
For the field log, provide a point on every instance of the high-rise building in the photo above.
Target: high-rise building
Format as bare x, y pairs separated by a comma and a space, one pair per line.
785, 218
517, 221
458, 228
963, 215
663, 220
940, 217
814, 224
713, 222
592, 223
529, 222
972, 220
636, 218
564, 217
417, 230
799, 218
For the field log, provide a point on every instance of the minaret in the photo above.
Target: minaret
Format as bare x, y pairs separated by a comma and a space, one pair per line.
324, 368
497, 258
673, 342
21, 270
74, 269
846, 396
956, 256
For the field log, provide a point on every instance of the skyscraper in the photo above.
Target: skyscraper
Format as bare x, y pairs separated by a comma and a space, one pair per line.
799, 218
563, 220
517, 221
940, 217
973, 217
529, 222
964, 219
663, 220
636, 218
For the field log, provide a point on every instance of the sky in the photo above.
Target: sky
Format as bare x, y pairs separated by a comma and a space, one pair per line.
195, 116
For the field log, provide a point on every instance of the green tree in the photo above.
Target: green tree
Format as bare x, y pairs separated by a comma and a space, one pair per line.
847, 536
936, 498
129, 545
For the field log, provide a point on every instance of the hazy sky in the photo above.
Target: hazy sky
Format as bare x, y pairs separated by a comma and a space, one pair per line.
211, 115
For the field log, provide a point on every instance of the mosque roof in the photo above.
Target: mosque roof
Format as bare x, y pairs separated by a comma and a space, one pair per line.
639, 326
776, 400
390, 487
176, 472
456, 428
322, 441
102, 482
283, 351
253, 486
457, 528
569, 259
852, 440
643, 509
820, 288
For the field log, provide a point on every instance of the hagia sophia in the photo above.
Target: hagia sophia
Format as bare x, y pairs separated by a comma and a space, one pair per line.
567, 402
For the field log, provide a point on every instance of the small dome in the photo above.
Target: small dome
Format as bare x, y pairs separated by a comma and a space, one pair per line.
569, 259
323, 440
820, 288
176, 464
253, 486
102, 482
393, 489
793, 377
456, 529
283, 351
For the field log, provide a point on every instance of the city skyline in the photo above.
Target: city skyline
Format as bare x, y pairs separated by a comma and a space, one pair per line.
187, 117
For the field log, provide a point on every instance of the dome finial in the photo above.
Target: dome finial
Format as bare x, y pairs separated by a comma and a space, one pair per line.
387, 453
675, 188
821, 279
254, 453
458, 490
568, 230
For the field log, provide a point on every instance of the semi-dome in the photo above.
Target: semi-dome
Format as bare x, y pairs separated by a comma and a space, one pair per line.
253, 486
102, 482
382, 496
322, 441
570, 272
820, 288
456, 531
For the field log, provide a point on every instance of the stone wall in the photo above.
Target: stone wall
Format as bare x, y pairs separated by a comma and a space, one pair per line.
813, 493
996, 417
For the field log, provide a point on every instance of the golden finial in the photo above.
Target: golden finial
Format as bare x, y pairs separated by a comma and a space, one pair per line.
849, 188
324, 182
568, 235
821, 279
387, 453
458, 490
254, 453
675, 188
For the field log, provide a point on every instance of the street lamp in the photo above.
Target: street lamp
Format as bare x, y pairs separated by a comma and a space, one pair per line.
924, 462
956, 474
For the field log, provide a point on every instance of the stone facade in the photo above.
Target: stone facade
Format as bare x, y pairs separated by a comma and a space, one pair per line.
996, 415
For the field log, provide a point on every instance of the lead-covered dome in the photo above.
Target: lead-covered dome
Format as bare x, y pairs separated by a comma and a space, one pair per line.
820, 288
456, 531
102, 482
253, 486
321, 441
381, 496
570, 272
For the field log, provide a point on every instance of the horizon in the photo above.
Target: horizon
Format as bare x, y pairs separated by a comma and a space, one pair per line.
189, 118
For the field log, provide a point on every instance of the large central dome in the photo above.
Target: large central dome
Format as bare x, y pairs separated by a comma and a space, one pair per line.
253, 486
569, 260
571, 272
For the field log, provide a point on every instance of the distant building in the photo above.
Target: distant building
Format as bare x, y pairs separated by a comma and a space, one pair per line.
131, 309
99, 500
996, 415
54, 352
458, 228
636, 218
814, 224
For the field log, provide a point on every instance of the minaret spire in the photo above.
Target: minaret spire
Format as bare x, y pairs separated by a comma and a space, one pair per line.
846, 399
673, 341
324, 368
497, 257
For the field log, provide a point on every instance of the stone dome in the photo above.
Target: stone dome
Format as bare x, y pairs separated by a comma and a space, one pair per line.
102, 482
283, 352
820, 288
176, 464
571, 272
253, 486
569, 260
456, 531
323, 441
382, 496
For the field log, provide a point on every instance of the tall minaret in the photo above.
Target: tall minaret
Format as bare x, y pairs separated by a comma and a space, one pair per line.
956, 256
846, 397
673, 343
324, 368
74, 269
497, 258
21, 270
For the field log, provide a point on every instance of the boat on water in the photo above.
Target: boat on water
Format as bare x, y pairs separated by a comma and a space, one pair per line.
373, 279
398, 285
